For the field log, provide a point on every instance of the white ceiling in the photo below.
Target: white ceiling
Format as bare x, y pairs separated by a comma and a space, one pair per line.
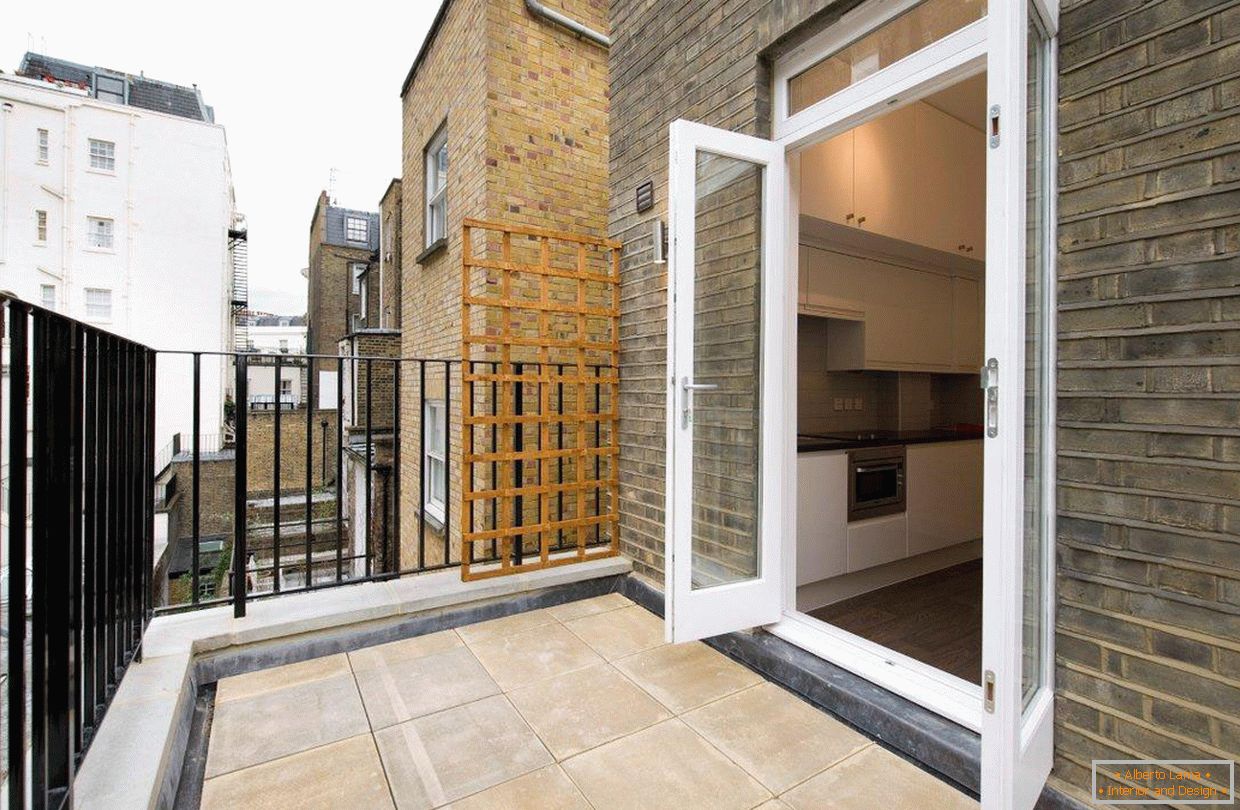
965, 101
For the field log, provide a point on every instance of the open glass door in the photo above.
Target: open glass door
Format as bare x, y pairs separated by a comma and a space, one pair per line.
1017, 643
727, 289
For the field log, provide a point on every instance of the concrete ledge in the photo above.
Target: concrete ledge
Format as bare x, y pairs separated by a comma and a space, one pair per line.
135, 759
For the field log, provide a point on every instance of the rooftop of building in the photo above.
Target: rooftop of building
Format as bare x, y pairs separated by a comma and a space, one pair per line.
119, 87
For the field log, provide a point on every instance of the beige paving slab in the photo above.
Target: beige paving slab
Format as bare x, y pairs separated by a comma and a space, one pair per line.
875, 777
265, 680
412, 687
544, 789
773, 804
622, 632
346, 773
589, 607
442, 757
524, 658
775, 736
685, 676
506, 626
667, 765
409, 649
585, 708
279, 722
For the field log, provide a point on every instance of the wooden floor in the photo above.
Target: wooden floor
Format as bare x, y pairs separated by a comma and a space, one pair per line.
936, 618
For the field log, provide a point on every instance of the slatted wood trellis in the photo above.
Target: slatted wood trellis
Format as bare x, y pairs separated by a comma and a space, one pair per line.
539, 450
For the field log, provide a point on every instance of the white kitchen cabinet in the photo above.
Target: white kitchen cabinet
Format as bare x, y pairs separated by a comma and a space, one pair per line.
822, 516
943, 494
827, 180
908, 316
967, 324
876, 541
886, 195
950, 160
835, 283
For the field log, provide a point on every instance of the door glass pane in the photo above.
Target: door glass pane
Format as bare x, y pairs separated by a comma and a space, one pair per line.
1036, 367
922, 25
727, 267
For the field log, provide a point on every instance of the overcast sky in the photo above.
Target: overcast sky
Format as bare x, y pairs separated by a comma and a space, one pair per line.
298, 92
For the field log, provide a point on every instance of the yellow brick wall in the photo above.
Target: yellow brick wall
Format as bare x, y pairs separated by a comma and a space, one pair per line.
526, 105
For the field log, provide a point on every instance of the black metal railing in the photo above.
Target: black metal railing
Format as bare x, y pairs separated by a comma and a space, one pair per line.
78, 430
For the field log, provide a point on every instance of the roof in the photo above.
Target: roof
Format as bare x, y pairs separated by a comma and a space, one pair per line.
336, 232
140, 91
181, 560
426, 44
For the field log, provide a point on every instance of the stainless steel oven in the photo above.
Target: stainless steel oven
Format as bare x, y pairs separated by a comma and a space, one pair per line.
875, 482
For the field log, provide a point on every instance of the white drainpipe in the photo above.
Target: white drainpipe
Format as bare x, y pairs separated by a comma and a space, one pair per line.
539, 10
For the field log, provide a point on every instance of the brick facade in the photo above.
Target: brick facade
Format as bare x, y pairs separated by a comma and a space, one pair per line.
525, 105
1149, 466
391, 210
330, 299
260, 450
1149, 393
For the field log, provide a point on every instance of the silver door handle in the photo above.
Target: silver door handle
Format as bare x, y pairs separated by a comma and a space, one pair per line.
686, 398
990, 384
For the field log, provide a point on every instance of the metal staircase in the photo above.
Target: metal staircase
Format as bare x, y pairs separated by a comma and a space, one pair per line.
239, 251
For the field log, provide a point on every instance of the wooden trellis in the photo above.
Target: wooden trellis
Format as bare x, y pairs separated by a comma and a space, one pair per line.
546, 491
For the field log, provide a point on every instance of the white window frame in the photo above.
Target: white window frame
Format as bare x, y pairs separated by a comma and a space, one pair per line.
356, 271
354, 225
96, 310
42, 146
436, 194
40, 226
435, 458
47, 296
102, 155
101, 233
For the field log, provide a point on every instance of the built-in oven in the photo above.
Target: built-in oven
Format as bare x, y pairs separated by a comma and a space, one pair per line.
875, 482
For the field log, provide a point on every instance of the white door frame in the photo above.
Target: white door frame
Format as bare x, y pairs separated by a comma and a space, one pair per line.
698, 613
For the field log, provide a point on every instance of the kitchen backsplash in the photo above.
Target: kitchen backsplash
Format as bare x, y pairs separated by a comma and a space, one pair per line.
887, 400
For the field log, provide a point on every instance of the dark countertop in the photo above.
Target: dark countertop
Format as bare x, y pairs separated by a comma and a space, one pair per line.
846, 441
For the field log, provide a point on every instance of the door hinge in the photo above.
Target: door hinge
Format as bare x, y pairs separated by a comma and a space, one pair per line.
990, 384
992, 121
988, 697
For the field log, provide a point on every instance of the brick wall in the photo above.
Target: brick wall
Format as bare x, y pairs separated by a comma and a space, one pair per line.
1149, 388
526, 109
260, 456
329, 293
391, 212
215, 497
378, 377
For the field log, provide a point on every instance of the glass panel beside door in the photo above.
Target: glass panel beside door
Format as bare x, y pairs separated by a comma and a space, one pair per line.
724, 404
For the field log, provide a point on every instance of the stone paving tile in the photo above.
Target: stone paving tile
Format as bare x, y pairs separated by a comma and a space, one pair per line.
413, 687
346, 773
685, 676
505, 626
265, 680
875, 777
399, 652
544, 789
667, 765
774, 735
447, 756
585, 708
618, 633
279, 722
533, 655
589, 607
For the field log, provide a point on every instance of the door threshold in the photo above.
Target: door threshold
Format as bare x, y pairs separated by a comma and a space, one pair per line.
941, 692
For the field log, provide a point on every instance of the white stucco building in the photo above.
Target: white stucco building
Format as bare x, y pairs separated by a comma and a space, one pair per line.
116, 203
271, 335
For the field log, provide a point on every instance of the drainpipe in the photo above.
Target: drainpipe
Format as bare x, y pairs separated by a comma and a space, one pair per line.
4, 182
539, 10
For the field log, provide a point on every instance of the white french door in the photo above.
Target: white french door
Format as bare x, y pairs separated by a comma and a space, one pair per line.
1019, 509
726, 306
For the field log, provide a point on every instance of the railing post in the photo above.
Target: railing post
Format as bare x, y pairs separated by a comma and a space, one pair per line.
369, 452
196, 487
309, 454
394, 518
277, 479
18, 375
240, 484
339, 476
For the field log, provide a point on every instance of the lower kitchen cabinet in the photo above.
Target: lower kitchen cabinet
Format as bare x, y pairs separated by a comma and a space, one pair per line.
822, 516
943, 495
876, 541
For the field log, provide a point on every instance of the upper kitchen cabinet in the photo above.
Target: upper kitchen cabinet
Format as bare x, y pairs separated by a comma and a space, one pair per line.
827, 180
951, 169
886, 196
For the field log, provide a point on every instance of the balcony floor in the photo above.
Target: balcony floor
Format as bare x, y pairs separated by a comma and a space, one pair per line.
576, 706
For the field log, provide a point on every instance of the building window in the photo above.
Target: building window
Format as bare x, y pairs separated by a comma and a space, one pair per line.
98, 304
365, 289
99, 232
356, 229
40, 226
435, 487
47, 295
437, 187
41, 152
102, 155
110, 88
357, 270
283, 346
286, 389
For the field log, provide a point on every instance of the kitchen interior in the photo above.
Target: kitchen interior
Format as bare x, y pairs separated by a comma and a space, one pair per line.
890, 339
